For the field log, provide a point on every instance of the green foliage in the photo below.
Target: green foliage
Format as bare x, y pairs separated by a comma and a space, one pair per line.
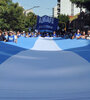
82, 3
63, 20
31, 19
12, 17
15, 17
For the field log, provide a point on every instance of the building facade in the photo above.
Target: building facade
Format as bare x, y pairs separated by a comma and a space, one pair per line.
55, 12
66, 7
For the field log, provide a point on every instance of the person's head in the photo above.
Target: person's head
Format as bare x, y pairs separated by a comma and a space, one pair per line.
39, 33
78, 31
84, 33
47, 34
54, 32
26, 33
0, 32
10, 33
88, 32
14, 33
18, 32
23, 32
32, 34
6, 33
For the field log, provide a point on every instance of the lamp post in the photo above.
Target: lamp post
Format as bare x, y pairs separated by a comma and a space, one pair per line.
64, 25
31, 9
35, 7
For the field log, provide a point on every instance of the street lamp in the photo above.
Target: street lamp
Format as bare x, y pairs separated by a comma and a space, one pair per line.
65, 25
25, 12
32, 8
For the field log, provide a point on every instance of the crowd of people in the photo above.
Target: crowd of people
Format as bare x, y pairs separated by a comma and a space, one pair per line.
12, 36
78, 35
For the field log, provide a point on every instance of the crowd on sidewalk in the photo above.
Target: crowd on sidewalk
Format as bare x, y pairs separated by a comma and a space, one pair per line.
12, 36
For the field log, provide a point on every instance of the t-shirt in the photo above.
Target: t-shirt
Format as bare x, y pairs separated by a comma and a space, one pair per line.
47, 36
15, 37
19, 35
11, 38
54, 35
77, 35
33, 35
6, 37
39, 35
88, 37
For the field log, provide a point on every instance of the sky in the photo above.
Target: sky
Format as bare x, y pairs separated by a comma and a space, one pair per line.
44, 9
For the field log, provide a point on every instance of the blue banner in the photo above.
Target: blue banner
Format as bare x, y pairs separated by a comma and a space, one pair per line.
46, 24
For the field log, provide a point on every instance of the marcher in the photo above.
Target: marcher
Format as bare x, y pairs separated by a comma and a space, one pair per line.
54, 34
2, 38
32, 34
15, 36
6, 35
78, 34
27, 35
47, 35
18, 34
11, 37
88, 36
83, 36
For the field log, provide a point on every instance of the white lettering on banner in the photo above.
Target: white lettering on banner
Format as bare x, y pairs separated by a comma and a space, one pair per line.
46, 26
46, 19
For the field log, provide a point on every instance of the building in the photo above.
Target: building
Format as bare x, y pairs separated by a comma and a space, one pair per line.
66, 7
55, 12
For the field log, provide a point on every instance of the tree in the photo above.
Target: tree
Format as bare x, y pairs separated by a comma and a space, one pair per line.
63, 18
82, 3
4, 5
63, 21
31, 20
15, 17
12, 17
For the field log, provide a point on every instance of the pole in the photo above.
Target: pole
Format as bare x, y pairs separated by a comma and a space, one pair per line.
65, 26
31, 9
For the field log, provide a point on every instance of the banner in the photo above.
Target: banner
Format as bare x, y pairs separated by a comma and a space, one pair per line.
46, 24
